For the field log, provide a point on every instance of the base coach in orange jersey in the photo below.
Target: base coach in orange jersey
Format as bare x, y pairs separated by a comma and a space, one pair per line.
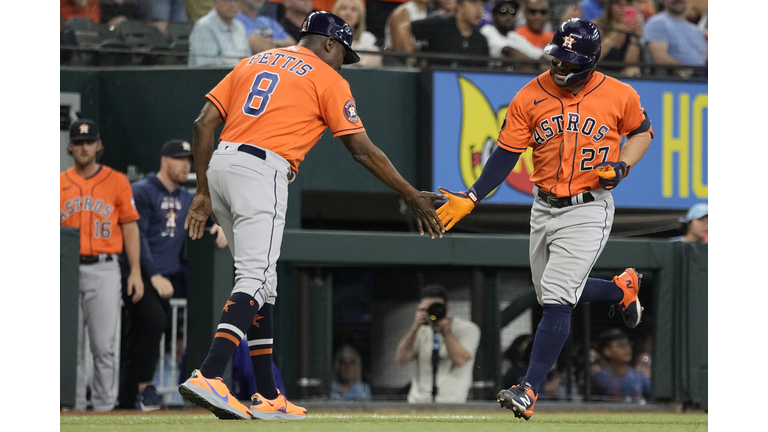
274, 106
574, 119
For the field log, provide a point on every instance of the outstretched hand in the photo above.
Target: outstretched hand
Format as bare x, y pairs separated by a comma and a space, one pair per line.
423, 207
459, 205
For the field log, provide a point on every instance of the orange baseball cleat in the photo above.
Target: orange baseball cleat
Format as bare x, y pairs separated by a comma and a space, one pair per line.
630, 308
213, 395
276, 409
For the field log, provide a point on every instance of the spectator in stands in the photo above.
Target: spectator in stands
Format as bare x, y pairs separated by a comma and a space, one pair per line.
162, 203
454, 34
347, 384
673, 40
620, 28
591, 9
80, 9
695, 225
536, 27
353, 12
503, 41
161, 12
218, 39
457, 341
645, 8
296, 11
263, 32
617, 379
441, 7
397, 31
197, 9
113, 12
518, 355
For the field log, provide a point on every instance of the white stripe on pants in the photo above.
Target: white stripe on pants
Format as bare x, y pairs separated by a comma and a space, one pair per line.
99, 312
565, 244
249, 198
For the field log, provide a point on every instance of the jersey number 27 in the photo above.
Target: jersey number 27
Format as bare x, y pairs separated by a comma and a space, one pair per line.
263, 86
589, 157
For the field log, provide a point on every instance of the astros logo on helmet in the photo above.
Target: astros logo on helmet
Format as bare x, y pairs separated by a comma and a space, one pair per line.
568, 41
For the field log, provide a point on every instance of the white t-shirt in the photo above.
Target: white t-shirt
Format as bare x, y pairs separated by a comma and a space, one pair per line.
366, 42
453, 383
415, 14
497, 41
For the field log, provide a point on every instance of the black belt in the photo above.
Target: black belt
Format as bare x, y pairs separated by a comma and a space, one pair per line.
93, 259
561, 202
251, 150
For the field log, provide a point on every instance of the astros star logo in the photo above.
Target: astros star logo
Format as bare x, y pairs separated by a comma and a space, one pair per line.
226, 306
569, 41
84, 128
256, 319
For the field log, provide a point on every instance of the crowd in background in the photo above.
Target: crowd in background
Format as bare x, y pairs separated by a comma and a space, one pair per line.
221, 32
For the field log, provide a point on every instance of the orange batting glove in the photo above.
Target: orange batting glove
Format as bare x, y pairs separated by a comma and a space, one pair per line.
611, 173
459, 205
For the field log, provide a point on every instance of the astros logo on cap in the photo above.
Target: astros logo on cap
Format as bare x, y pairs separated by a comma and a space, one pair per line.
84, 128
568, 41
185, 145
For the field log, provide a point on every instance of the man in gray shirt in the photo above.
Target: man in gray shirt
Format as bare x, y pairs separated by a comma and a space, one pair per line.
218, 39
672, 40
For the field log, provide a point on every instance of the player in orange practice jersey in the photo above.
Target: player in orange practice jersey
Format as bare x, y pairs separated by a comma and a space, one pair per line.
574, 119
274, 107
98, 201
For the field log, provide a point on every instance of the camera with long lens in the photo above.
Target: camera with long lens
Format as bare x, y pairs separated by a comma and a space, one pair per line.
436, 312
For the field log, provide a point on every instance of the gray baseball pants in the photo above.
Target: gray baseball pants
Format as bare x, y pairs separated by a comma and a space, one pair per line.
99, 313
565, 244
249, 196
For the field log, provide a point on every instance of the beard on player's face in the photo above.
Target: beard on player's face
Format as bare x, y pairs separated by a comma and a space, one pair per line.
85, 153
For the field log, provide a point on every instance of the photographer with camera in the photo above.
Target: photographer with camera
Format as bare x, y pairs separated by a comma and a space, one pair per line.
443, 347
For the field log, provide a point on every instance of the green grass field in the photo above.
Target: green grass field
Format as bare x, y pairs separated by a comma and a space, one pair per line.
198, 421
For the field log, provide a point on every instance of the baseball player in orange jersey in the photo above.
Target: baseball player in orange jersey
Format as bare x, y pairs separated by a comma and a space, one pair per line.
98, 200
574, 119
274, 107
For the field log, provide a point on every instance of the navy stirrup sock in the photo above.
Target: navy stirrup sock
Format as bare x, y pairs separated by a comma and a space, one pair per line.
260, 346
550, 338
601, 290
236, 319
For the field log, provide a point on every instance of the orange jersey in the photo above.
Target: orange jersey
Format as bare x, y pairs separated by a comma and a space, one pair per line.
539, 40
570, 134
282, 100
97, 206
91, 11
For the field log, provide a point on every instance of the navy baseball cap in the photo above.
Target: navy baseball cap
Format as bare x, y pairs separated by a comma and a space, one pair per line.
84, 130
176, 148
499, 3
697, 211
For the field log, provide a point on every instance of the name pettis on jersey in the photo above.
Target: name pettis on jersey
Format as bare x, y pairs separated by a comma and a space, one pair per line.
281, 60
73, 206
552, 126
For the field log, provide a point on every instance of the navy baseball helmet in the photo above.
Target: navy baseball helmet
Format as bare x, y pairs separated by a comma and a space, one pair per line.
576, 41
327, 24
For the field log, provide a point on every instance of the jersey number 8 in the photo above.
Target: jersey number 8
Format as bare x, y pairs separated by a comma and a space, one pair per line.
264, 85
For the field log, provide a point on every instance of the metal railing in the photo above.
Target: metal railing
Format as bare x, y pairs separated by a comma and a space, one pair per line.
167, 385
393, 60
